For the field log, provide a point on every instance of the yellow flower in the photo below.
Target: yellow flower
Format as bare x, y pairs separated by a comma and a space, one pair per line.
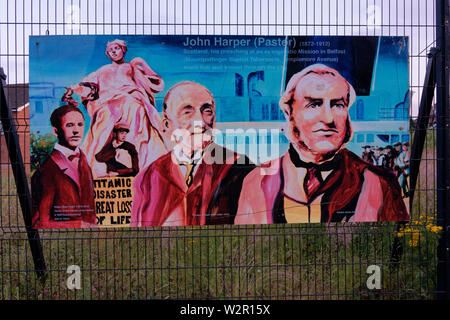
413, 242
436, 229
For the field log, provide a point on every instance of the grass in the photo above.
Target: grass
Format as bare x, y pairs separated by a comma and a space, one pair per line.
257, 262
316, 261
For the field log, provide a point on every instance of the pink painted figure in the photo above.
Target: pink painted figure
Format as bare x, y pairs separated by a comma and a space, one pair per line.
318, 179
121, 92
198, 182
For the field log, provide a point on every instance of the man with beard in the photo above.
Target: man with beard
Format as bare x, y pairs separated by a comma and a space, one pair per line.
198, 182
318, 179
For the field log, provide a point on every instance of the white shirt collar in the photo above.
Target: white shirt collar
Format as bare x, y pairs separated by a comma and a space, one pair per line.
66, 151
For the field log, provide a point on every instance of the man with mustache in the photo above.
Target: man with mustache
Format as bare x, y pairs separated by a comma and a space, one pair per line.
62, 187
318, 179
198, 182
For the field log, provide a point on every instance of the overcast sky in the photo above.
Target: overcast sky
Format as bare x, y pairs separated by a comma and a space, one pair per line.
21, 18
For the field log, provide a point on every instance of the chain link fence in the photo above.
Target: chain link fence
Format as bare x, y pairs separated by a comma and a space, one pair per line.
293, 261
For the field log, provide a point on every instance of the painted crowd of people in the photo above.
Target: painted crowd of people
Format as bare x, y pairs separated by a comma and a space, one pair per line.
394, 158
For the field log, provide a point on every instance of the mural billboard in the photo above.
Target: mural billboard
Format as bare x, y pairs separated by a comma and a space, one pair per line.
199, 130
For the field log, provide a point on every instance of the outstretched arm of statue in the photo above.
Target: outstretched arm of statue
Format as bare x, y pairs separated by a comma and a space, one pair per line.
87, 89
145, 77
93, 92
143, 66
67, 97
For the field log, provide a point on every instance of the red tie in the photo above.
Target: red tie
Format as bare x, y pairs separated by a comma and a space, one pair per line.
312, 181
74, 156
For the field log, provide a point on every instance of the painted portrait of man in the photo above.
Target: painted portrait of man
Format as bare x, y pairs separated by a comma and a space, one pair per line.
318, 179
198, 182
62, 187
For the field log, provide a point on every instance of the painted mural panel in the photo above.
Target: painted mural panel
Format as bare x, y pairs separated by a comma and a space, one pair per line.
200, 130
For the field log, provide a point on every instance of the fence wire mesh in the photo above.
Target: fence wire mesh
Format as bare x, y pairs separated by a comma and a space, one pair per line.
310, 261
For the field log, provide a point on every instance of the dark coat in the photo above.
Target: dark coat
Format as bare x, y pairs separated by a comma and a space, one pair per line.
108, 156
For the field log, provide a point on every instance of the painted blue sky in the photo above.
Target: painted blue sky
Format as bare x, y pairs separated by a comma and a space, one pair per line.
259, 72
65, 60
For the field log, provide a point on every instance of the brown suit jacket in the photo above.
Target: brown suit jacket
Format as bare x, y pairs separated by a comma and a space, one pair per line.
161, 190
61, 197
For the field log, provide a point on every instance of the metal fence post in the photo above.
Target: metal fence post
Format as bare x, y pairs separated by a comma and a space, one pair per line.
423, 119
443, 147
420, 134
15, 156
